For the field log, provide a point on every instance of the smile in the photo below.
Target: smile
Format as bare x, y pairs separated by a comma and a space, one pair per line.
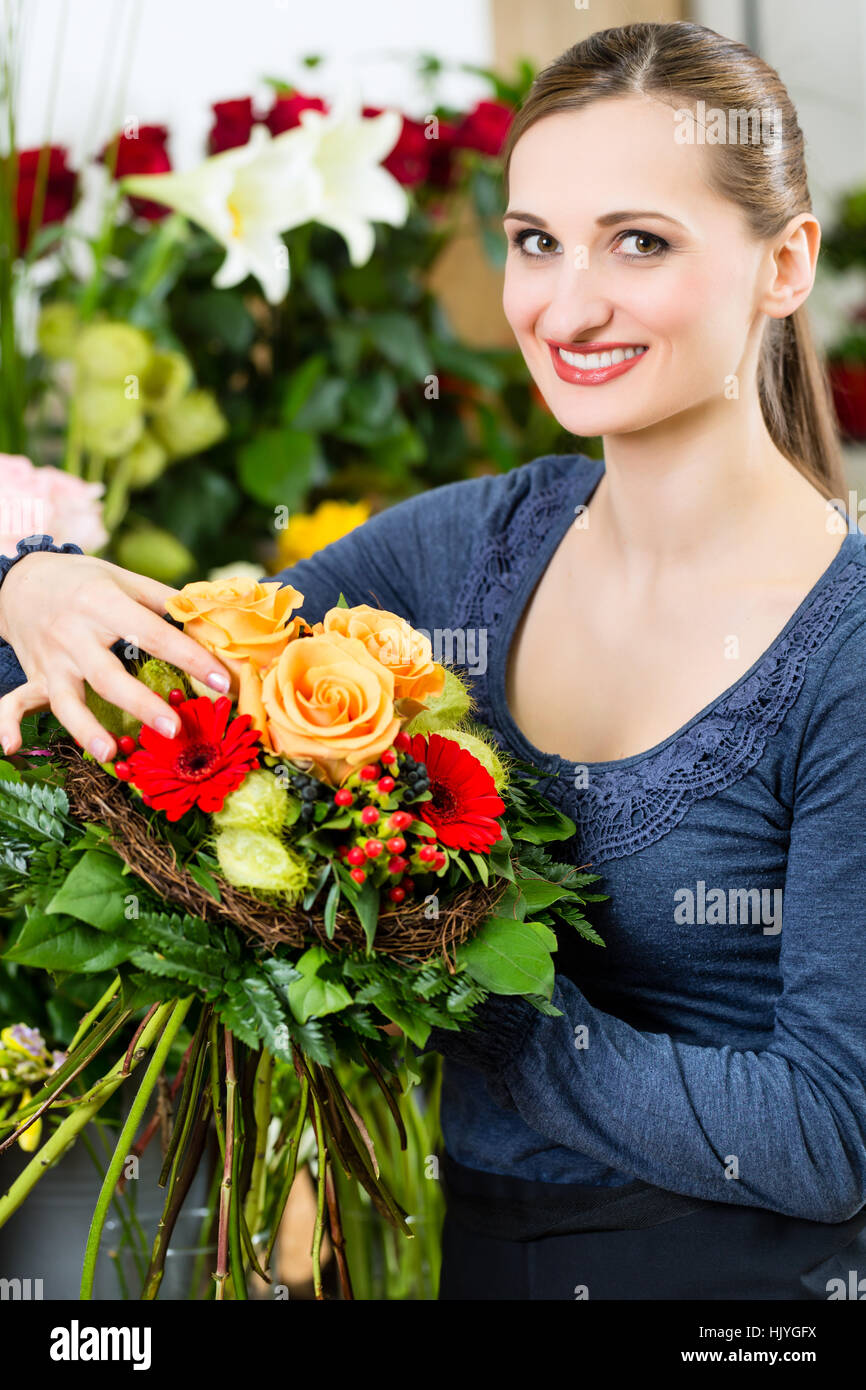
593, 368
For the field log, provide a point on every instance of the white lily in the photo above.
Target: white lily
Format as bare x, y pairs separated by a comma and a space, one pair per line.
325, 170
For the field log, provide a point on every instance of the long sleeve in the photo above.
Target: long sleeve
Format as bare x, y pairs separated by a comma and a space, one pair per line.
783, 1127
396, 558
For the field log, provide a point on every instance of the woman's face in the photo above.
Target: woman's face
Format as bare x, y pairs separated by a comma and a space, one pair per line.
620, 241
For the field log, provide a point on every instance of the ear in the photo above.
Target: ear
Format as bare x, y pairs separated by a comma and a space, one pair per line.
793, 257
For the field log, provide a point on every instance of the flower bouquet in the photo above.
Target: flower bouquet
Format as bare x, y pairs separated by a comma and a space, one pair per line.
331, 854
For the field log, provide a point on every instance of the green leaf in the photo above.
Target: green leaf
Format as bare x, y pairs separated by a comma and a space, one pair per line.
60, 943
547, 934
205, 880
253, 1012
401, 342
184, 948
278, 466
33, 808
366, 905
95, 892
480, 862
301, 384
508, 957
540, 894
312, 997
331, 903
415, 1028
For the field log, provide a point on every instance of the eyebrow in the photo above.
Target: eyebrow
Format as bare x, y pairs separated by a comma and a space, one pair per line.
608, 219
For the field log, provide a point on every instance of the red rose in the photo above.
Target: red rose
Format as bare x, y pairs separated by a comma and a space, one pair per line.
285, 113
442, 156
409, 160
484, 128
59, 185
143, 152
233, 123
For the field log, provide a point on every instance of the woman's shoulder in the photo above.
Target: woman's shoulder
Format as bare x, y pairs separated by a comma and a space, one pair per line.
495, 493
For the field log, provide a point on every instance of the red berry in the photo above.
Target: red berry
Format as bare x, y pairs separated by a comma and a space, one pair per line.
342, 851
358, 875
343, 797
388, 757
370, 772
356, 855
400, 820
373, 848
369, 815
385, 784
396, 894
409, 885
176, 697
397, 845
403, 741
126, 744
427, 852
397, 864
123, 771
441, 860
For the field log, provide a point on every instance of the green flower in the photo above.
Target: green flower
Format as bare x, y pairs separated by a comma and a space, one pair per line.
161, 677
261, 802
445, 710
254, 859
483, 751
57, 331
111, 352
145, 462
191, 425
110, 424
154, 552
166, 380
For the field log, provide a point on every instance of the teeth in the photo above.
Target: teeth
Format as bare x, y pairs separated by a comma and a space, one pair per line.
599, 359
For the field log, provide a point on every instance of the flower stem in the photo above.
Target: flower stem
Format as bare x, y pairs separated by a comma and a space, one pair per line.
318, 1229
67, 1132
262, 1090
172, 1014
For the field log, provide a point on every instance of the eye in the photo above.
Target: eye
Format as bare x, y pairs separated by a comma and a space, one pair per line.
530, 233
661, 246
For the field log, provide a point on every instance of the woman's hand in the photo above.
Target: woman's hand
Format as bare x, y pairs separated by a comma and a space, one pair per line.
61, 614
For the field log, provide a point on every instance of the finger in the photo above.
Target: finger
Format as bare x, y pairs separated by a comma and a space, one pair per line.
170, 644
29, 696
66, 695
114, 683
151, 592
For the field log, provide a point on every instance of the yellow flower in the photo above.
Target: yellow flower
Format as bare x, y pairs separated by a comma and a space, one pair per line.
309, 532
29, 1140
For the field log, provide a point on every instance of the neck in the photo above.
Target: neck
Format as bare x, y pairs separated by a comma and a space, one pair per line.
694, 491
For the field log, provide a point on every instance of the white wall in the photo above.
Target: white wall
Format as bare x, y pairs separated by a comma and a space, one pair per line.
819, 51
165, 61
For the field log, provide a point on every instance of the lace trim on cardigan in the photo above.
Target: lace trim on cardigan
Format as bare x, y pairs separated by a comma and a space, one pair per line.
623, 809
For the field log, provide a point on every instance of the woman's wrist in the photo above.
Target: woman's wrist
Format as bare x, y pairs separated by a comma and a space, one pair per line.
30, 545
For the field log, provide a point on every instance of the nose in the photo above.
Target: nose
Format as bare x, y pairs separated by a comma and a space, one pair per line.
577, 302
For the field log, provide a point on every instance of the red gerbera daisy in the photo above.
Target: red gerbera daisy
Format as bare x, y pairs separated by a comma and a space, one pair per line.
464, 804
201, 765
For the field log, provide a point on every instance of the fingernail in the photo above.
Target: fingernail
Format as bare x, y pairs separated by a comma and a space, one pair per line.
216, 681
167, 727
100, 749
6, 742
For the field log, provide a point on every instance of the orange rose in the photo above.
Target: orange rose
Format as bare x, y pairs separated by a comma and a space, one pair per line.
396, 644
246, 624
327, 699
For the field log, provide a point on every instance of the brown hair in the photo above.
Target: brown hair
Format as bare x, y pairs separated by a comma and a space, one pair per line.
681, 63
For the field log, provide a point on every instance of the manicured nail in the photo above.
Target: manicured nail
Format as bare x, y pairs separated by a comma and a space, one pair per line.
100, 749
6, 742
217, 681
167, 727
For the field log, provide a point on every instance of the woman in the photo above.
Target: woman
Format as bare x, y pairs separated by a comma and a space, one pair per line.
677, 636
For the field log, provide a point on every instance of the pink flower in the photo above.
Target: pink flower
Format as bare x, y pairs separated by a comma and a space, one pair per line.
34, 500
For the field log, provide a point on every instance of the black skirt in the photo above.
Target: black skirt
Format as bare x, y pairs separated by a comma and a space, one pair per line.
506, 1238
